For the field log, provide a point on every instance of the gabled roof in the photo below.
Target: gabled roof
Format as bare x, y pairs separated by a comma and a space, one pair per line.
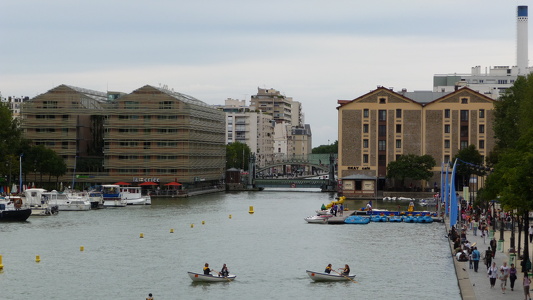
459, 91
379, 89
178, 96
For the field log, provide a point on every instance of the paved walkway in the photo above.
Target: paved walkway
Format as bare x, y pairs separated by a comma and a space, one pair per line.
476, 285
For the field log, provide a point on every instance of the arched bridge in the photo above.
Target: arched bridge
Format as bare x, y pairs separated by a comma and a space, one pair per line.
292, 183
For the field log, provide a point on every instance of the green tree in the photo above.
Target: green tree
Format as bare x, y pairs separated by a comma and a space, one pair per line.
326, 149
237, 156
469, 159
411, 166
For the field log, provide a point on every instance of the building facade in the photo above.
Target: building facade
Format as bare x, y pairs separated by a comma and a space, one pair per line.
378, 127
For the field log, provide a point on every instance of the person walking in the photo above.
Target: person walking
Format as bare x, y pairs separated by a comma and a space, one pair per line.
493, 246
474, 226
475, 258
492, 273
525, 283
488, 258
503, 280
505, 269
512, 276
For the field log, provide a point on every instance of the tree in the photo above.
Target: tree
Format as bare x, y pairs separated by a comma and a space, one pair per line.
411, 166
469, 157
237, 156
326, 149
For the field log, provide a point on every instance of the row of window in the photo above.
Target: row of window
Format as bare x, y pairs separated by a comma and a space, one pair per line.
382, 144
147, 171
162, 105
159, 117
147, 157
382, 114
382, 129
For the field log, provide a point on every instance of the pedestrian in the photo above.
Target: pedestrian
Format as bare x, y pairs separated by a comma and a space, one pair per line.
505, 269
493, 246
341, 209
475, 257
474, 227
150, 297
492, 273
503, 280
488, 258
512, 276
530, 233
526, 282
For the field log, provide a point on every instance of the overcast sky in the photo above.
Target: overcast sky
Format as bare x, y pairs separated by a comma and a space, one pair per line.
314, 51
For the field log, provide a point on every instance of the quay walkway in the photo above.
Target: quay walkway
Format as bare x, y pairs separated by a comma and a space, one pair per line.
474, 285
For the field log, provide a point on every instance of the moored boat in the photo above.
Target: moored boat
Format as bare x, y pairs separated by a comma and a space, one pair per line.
320, 276
320, 219
39, 205
424, 219
357, 220
68, 201
116, 195
395, 219
13, 210
197, 277
378, 219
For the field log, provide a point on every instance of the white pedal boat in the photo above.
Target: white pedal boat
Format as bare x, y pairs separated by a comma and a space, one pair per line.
320, 276
210, 278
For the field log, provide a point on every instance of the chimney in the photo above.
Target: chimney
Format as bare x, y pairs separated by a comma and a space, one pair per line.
521, 40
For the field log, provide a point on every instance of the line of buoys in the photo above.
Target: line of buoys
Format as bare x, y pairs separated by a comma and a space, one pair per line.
171, 230
82, 248
251, 211
37, 258
141, 235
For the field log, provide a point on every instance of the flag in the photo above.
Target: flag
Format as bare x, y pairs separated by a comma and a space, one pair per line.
453, 198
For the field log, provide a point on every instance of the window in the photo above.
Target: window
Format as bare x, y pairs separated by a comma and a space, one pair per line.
365, 158
481, 113
446, 159
382, 115
365, 128
382, 101
398, 143
382, 160
382, 130
447, 113
464, 115
481, 128
481, 144
464, 131
365, 113
166, 105
398, 113
447, 144
398, 128
464, 145
464, 100
446, 128
365, 143
382, 145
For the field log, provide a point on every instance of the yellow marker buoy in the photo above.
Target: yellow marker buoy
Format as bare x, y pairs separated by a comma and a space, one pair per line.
81, 248
171, 230
192, 225
37, 258
251, 211
230, 216
203, 222
1, 265
141, 236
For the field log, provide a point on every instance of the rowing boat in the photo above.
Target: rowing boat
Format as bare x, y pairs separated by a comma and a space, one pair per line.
210, 278
319, 276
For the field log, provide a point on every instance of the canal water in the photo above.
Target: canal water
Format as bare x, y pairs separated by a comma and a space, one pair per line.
269, 251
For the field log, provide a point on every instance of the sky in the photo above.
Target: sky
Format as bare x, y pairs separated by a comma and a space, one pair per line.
315, 51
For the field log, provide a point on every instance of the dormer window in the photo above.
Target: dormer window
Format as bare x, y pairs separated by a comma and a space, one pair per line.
382, 101
464, 100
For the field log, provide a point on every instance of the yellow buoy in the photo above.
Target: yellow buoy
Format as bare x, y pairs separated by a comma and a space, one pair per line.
37, 258
81, 248
203, 222
1, 265
251, 211
230, 216
171, 230
192, 225
141, 235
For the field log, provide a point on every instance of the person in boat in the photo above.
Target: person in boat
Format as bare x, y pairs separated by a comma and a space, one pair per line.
207, 270
328, 269
224, 271
346, 270
150, 297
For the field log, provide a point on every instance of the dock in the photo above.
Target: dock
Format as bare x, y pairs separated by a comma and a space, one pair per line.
340, 219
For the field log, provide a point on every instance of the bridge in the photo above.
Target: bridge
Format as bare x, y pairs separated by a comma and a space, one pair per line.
267, 175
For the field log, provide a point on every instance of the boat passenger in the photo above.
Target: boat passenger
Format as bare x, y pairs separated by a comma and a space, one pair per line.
346, 270
328, 269
207, 271
224, 271
150, 297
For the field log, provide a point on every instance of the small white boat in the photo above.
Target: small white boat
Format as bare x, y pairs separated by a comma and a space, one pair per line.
68, 201
323, 212
320, 276
40, 206
116, 195
197, 277
321, 219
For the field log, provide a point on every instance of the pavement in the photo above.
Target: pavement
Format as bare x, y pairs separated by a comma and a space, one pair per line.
476, 285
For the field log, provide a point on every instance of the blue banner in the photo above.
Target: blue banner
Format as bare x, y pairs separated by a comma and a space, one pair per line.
453, 198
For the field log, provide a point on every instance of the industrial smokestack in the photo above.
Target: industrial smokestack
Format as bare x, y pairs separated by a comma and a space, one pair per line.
521, 40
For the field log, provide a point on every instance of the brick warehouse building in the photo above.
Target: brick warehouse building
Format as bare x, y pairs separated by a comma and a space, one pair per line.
378, 127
